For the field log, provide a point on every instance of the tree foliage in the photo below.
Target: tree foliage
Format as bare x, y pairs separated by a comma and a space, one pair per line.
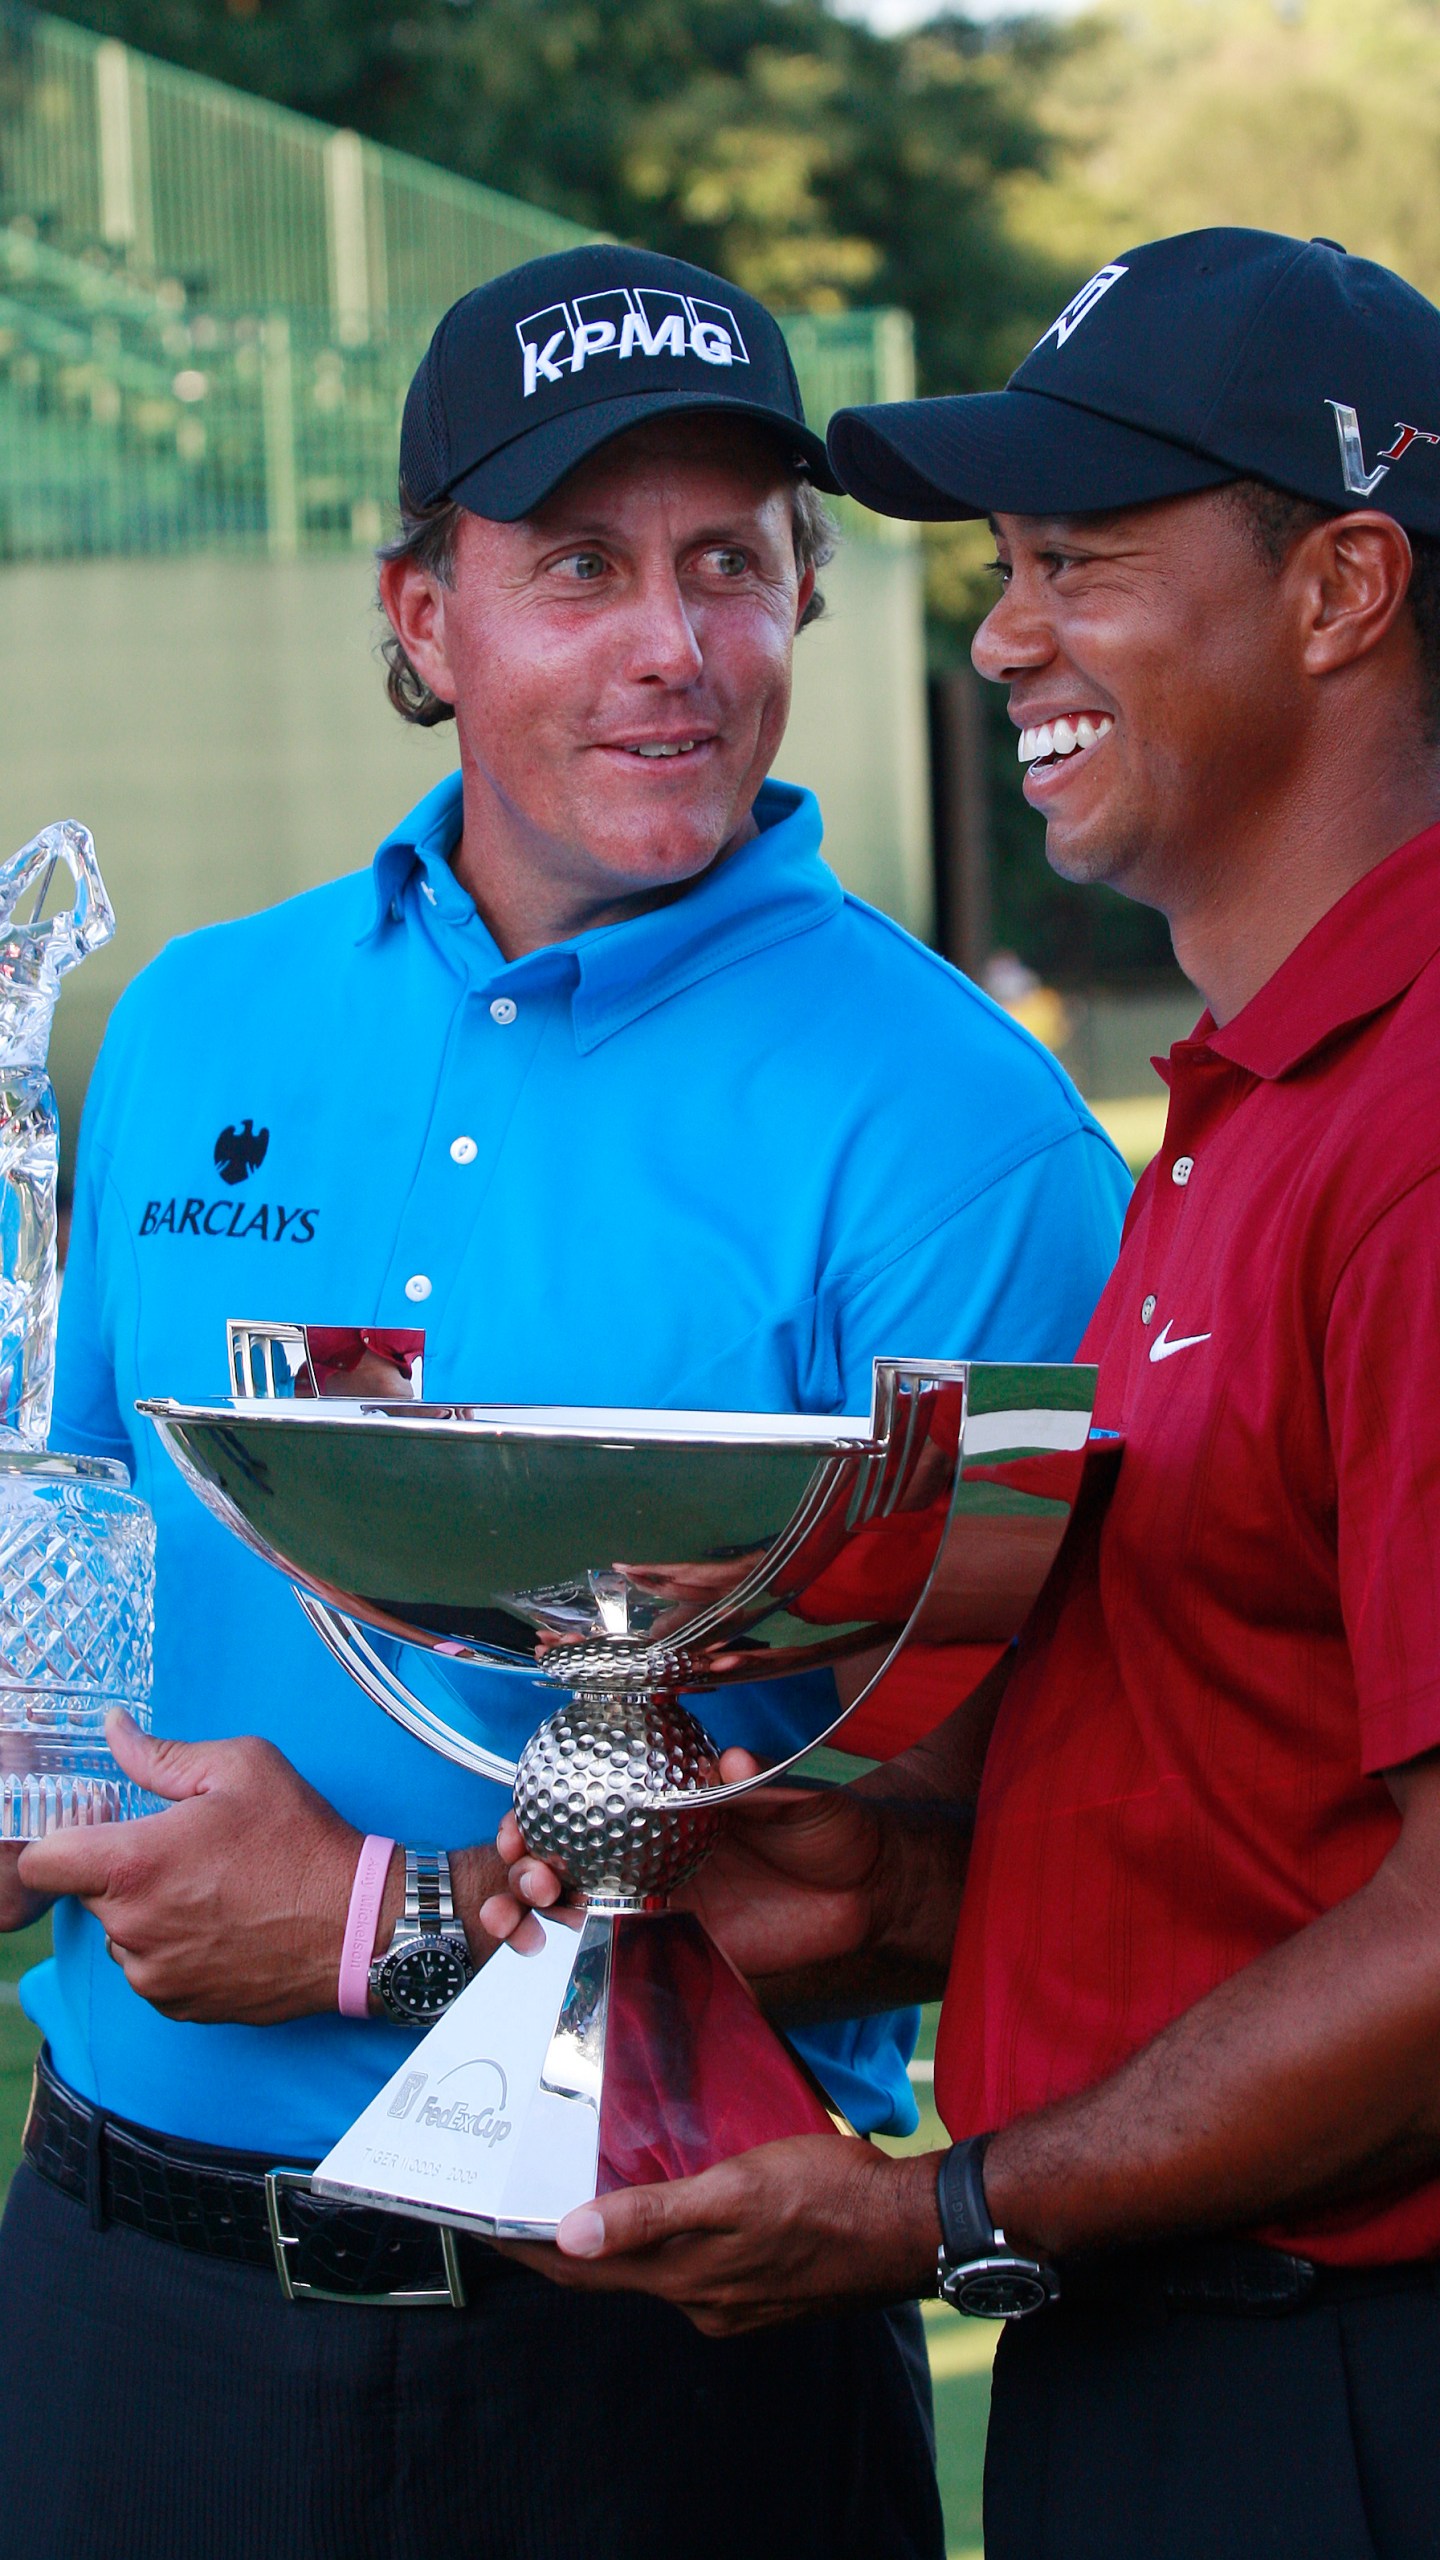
1305, 116
819, 164
973, 176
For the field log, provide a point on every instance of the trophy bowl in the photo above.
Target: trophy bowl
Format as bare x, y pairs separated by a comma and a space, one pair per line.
633, 1559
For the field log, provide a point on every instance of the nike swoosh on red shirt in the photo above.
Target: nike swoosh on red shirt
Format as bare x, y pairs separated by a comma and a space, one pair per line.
1162, 1348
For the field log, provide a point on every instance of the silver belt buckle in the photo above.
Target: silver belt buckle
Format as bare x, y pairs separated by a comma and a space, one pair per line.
279, 2183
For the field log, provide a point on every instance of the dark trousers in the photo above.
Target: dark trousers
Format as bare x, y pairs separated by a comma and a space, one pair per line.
160, 2406
1201, 2435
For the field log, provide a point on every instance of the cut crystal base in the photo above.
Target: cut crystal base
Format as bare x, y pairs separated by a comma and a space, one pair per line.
77, 1555
53, 1785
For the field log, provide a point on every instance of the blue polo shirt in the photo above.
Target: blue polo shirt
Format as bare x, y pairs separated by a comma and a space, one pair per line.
720, 1155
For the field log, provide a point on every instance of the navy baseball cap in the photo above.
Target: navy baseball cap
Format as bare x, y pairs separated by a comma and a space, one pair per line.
529, 374
1213, 356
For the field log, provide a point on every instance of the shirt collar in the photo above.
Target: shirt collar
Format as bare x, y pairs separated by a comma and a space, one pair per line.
424, 839
775, 886
1364, 952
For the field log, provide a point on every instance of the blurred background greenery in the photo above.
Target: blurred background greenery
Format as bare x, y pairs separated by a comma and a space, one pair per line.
938, 191
970, 172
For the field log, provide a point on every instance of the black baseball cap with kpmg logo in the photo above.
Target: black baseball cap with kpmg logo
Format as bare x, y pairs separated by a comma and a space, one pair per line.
528, 375
1217, 355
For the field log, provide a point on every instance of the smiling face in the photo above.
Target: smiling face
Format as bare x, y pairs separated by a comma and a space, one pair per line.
1230, 724
1159, 683
619, 663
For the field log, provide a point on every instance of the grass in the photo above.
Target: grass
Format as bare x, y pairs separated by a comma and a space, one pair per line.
17, 2039
1135, 1122
1137, 1125
960, 2350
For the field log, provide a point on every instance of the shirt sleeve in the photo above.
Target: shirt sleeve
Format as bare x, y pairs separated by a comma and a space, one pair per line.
1013, 1274
1384, 1412
87, 1417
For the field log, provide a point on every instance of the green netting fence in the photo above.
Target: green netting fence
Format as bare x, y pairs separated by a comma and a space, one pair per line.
210, 307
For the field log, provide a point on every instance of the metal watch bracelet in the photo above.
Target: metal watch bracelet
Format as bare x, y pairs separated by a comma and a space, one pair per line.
978, 2272
429, 1902
428, 1963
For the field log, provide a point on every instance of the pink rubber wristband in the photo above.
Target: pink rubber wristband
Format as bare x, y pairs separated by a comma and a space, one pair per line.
361, 1922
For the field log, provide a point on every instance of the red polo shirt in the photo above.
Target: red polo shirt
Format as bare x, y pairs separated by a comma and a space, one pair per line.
1186, 1766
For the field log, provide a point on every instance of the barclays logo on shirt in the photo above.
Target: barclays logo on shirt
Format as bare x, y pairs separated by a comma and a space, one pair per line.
240, 1152
237, 1154
266, 1221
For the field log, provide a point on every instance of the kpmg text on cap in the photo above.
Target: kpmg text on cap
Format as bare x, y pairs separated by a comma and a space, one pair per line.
627, 321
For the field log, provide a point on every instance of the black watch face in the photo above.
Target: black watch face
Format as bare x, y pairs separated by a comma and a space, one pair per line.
1002, 2288
421, 1982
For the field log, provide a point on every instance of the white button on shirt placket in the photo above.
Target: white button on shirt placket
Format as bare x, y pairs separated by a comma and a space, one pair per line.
463, 1150
1181, 1170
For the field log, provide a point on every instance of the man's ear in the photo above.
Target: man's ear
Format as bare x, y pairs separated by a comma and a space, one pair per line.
804, 593
1353, 576
414, 602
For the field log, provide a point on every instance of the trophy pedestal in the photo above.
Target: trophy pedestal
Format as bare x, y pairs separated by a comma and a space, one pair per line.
623, 2051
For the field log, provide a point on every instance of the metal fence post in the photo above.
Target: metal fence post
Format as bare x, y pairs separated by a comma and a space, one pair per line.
122, 133
282, 509
349, 252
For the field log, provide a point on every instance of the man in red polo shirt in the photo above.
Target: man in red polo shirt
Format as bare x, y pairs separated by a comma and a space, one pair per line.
1190, 2052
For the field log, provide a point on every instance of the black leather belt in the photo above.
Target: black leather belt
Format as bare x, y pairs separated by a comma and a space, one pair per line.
1236, 2276
234, 2205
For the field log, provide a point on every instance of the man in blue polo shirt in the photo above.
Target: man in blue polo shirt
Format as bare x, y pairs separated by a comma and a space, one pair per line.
600, 1076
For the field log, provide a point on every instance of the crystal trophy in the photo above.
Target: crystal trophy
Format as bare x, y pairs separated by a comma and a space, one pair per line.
634, 1559
77, 1548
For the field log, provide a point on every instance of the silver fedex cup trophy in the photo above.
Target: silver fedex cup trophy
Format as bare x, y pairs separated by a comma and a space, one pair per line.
633, 1558
77, 1548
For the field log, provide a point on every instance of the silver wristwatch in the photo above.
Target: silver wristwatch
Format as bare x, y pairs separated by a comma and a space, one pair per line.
978, 2271
427, 1963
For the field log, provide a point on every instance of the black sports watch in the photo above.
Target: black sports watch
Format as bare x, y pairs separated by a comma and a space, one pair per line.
427, 1963
978, 2272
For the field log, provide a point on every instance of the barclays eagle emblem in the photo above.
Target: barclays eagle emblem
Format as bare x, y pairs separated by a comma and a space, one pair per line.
240, 1152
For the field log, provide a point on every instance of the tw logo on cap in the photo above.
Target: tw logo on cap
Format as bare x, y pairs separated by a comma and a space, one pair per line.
1080, 309
638, 321
1360, 482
